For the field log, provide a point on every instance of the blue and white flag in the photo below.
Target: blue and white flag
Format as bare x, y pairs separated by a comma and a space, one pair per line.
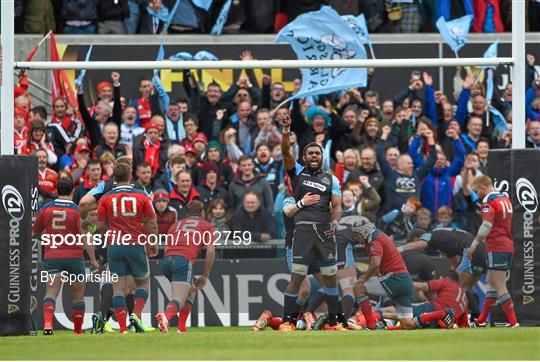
201, 55
222, 18
324, 35
491, 52
78, 82
204, 55
501, 125
358, 24
164, 99
203, 4
490, 86
455, 32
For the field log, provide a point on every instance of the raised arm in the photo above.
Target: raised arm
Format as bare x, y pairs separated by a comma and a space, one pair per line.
288, 158
116, 116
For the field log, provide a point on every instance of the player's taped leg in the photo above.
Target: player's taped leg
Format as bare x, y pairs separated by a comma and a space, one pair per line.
347, 299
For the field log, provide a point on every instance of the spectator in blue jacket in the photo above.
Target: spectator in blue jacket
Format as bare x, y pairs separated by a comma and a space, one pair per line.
437, 186
405, 180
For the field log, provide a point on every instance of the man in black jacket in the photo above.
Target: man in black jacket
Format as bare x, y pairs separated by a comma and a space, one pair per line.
251, 217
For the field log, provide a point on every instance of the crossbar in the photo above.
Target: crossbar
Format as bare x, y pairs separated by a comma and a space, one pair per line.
252, 64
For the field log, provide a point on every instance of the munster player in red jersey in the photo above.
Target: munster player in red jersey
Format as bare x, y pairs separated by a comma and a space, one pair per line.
59, 220
186, 238
449, 294
127, 213
386, 276
496, 232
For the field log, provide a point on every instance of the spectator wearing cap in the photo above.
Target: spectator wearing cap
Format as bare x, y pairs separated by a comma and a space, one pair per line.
93, 172
267, 167
199, 143
167, 181
166, 215
38, 139
150, 149
254, 218
191, 160
316, 126
105, 94
143, 173
247, 181
371, 132
214, 153
78, 166
67, 160
209, 187
20, 130
183, 193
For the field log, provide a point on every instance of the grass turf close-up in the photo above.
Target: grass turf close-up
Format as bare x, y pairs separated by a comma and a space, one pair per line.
241, 343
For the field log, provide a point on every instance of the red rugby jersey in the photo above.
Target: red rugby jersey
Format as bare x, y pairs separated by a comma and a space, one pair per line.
60, 217
124, 209
383, 247
497, 209
449, 295
188, 236
47, 180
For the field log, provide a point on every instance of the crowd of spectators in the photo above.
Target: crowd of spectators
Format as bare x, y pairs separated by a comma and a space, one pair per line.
409, 160
254, 16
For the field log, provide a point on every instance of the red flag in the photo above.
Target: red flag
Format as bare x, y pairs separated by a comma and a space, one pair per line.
60, 85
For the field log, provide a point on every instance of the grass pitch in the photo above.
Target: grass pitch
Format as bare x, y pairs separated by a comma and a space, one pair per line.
240, 343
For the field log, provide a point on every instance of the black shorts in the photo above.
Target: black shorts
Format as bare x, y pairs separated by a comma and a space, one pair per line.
311, 245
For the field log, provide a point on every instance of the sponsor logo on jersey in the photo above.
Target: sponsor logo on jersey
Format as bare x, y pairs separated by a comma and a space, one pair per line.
485, 209
325, 180
314, 185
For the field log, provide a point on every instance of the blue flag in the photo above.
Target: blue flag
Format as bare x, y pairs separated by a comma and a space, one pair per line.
78, 82
204, 55
170, 17
498, 119
222, 18
203, 4
455, 32
163, 96
201, 55
181, 56
490, 86
491, 52
358, 24
324, 35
